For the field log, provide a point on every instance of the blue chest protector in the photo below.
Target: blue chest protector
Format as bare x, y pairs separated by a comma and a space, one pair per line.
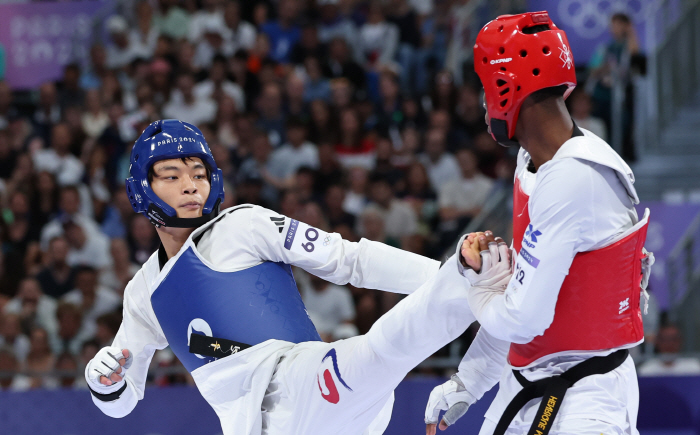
249, 306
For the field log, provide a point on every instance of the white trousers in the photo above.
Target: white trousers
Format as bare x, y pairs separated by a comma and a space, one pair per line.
346, 387
597, 404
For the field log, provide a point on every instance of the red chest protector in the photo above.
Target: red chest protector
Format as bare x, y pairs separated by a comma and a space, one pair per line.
598, 303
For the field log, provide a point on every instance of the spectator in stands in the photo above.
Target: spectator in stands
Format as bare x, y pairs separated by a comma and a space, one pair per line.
84, 248
328, 305
284, 33
69, 93
144, 36
469, 112
258, 166
48, 111
57, 278
58, 159
93, 300
217, 85
334, 25
333, 201
309, 45
11, 336
399, 218
241, 34
107, 327
461, 199
372, 226
316, 86
70, 328
122, 269
8, 156
142, 239
669, 343
34, 308
120, 52
40, 360
95, 119
420, 195
379, 39
9, 364
6, 107
411, 55
294, 102
341, 64
272, 118
212, 10
171, 20
442, 166
67, 366
185, 105
581, 106
295, 153
354, 147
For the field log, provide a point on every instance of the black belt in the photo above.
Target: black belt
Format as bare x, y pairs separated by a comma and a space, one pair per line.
552, 390
214, 347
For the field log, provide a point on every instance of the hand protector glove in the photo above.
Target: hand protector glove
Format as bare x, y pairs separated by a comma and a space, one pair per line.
105, 363
450, 396
496, 271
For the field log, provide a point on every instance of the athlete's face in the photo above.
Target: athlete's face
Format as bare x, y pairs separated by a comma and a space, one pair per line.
182, 185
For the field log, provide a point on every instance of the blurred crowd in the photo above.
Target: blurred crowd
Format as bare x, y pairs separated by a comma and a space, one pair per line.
358, 117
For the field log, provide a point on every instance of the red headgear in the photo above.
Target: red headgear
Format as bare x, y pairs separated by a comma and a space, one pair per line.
512, 63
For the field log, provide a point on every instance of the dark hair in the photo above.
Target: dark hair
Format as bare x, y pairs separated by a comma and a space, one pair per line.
152, 173
547, 93
620, 16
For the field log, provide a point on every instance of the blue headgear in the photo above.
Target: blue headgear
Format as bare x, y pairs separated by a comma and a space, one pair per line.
170, 139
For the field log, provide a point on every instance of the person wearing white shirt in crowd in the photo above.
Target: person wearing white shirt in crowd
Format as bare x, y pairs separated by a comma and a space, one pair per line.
144, 37
213, 10
70, 209
241, 34
120, 52
442, 166
11, 336
379, 39
85, 248
668, 362
33, 306
92, 298
399, 217
217, 83
58, 159
185, 105
10, 364
329, 305
297, 152
465, 196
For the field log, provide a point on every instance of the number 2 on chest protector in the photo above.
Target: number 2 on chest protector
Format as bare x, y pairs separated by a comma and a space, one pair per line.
519, 273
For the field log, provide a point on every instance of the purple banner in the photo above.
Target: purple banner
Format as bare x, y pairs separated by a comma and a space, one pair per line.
40, 38
587, 22
667, 224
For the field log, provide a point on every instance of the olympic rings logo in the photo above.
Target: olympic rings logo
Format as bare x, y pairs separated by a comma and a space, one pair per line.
590, 18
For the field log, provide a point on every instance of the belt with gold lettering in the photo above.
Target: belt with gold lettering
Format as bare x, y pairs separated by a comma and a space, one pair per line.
552, 391
214, 347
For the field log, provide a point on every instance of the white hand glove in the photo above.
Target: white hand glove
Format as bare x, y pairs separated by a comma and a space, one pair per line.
105, 363
496, 271
450, 396
495, 266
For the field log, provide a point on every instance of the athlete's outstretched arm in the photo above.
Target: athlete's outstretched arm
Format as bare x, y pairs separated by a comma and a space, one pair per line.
365, 264
141, 337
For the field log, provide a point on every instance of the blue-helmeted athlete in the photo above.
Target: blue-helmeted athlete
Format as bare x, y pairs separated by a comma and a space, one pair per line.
219, 291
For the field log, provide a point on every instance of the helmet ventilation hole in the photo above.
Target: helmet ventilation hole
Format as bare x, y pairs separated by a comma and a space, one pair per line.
484, 60
501, 50
504, 102
518, 88
523, 53
503, 68
503, 92
500, 29
536, 72
500, 82
136, 158
545, 50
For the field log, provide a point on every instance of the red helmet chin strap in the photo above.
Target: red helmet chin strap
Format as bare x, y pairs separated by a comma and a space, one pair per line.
514, 56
